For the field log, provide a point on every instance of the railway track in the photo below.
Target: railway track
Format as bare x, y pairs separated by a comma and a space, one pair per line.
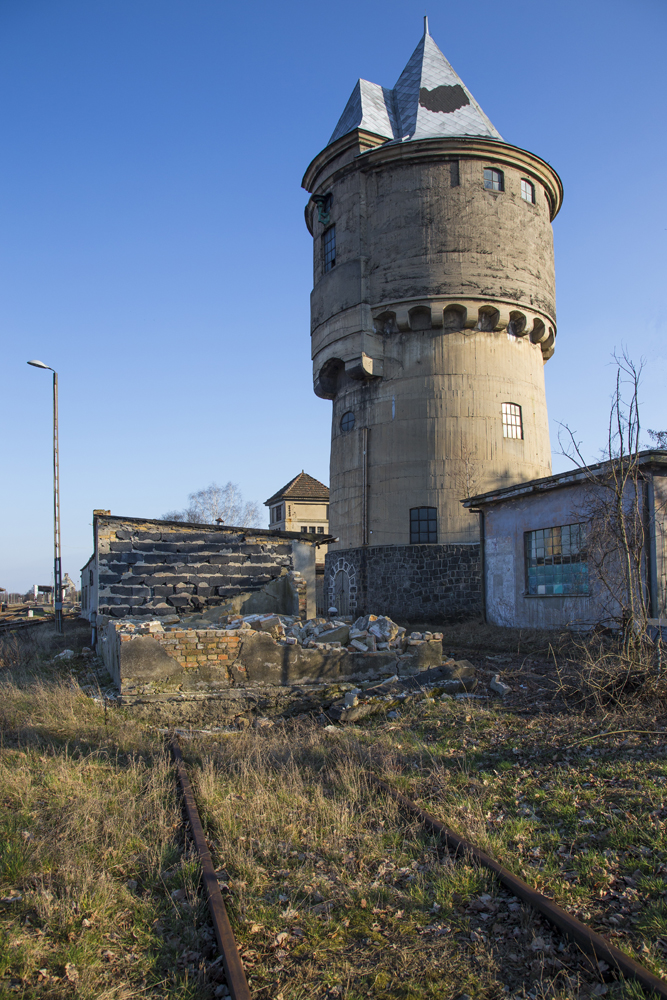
588, 940
14, 624
237, 983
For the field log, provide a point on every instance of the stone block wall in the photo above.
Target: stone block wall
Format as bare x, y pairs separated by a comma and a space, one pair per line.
434, 583
150, 567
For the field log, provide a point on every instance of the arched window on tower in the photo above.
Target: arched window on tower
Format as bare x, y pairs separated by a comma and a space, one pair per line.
494, 180
528, 191
329, 248
423, 525
512, 422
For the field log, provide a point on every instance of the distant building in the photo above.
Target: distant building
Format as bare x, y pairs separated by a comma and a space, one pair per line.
303, 505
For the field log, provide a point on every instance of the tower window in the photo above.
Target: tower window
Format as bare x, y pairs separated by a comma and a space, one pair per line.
454, 175
423, 525
329, 248
347, 422
276, 512
528, 191
494, 180
512, 422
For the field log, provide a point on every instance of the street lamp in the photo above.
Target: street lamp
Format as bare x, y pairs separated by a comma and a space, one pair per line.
57, 566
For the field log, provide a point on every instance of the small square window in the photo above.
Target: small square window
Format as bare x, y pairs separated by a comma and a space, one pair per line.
320, 531
329, 248
512, 422
528, 191
494, 180
304, 529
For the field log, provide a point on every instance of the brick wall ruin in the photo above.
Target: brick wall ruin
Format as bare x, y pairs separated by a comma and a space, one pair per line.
233, 670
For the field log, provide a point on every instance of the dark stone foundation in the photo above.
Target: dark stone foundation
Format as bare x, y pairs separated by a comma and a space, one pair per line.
407, 582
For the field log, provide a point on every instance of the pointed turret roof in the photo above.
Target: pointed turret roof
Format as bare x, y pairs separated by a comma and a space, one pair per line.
429, 101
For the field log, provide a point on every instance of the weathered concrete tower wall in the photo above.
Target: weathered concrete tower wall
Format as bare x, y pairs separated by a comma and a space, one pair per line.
439, 309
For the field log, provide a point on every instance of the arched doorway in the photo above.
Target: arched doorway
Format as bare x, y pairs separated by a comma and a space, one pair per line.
342, 592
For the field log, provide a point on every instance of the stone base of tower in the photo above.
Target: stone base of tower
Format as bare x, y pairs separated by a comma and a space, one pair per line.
427, 583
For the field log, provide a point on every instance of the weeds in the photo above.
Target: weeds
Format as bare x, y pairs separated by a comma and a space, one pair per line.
602, 675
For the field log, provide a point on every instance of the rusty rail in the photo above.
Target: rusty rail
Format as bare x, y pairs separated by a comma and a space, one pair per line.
231, 960
588, 940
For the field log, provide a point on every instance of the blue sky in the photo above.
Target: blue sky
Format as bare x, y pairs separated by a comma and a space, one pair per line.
153, 249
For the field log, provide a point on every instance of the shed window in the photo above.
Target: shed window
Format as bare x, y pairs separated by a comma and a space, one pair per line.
494, 180
512, 422
423, 525
528, 191
556, 561
329, 248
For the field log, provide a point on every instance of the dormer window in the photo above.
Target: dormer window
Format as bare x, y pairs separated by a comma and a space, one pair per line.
528, 191
329, 248
494, 180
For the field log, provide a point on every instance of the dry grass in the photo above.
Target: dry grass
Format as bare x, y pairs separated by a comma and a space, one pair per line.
331, 890
337, 894
91, 849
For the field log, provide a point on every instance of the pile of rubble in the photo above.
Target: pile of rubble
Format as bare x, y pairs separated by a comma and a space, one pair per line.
369, 634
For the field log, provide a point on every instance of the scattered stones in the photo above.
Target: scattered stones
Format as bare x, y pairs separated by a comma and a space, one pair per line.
261, 722
499, 687
67, 654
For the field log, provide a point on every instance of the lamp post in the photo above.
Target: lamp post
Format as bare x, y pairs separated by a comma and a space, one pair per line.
57, 566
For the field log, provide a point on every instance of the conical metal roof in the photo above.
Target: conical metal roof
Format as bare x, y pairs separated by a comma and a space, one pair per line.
429, 101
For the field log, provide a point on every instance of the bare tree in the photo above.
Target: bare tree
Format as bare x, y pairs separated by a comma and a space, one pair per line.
222, 504
614, 507
659, 438
467, 475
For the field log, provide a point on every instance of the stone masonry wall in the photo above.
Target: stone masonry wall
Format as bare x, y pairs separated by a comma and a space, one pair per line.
410, 582
156, 567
